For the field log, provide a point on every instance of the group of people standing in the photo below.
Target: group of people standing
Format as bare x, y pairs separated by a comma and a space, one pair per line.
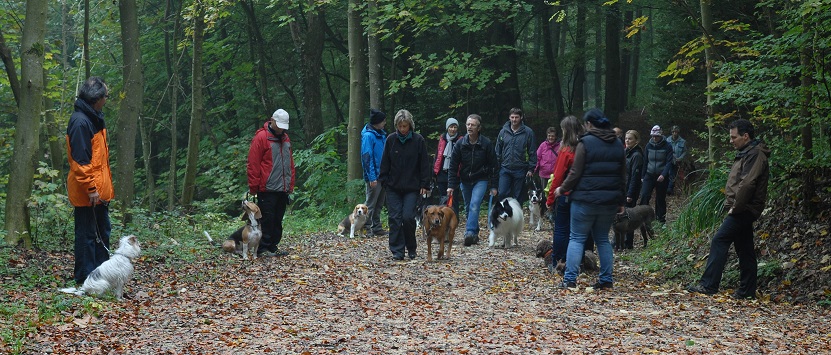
591, 174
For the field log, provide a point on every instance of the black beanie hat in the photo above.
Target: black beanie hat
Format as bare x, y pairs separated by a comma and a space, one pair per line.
597, 118
376, 117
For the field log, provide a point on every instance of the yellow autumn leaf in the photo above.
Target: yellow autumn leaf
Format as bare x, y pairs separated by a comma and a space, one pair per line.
796, 245
826, 268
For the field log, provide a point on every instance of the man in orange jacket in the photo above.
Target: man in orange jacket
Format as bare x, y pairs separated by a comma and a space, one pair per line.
89, 184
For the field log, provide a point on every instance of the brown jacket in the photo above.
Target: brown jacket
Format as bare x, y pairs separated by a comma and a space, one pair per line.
747, 185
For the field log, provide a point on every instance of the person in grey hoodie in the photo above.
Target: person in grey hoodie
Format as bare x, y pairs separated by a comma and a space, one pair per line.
658, 162
516, 154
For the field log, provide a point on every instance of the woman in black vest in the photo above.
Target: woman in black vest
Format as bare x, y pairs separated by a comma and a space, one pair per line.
597, 182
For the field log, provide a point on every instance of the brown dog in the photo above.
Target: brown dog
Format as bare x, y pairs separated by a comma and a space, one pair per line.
638, 217
439, 222
248, 237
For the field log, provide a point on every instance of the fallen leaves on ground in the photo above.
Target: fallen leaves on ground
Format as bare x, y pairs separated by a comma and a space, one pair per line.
335, 295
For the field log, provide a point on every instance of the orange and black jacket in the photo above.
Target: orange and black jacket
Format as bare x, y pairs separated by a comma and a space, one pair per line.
89, 156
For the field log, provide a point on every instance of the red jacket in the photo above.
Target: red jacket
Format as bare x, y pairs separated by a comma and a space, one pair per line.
270, 162
564, 162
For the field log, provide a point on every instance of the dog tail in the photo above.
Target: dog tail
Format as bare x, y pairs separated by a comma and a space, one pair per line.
73, 290
210, 240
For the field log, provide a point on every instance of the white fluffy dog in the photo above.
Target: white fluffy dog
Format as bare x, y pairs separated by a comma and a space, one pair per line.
507, 219
113, 273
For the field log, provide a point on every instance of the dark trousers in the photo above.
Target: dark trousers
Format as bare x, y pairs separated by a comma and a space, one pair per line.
90, 223
562, 230
736, 229
650, 182
441, 183
273, 208
510, 184
401, 208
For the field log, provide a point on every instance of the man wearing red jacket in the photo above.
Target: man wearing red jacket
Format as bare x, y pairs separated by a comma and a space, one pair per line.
89, 183
271, 178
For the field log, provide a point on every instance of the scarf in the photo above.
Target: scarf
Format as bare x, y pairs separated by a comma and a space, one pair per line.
404, 139
448, 150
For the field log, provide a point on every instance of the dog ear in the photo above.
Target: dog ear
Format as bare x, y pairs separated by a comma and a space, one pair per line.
441, 215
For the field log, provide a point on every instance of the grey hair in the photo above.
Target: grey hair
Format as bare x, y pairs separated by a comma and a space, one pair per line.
404, 116
92, 90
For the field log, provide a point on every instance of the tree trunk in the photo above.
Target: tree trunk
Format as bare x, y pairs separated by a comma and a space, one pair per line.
197, 108
507, 94
598, 58
172, 73
707, 25
145, 125
376, 77
8, 62
579, 61
24, 158
307, 33
636, 60
130, 106
87, 64
612, 106
625, 63
357, 98
556, 85
259, 47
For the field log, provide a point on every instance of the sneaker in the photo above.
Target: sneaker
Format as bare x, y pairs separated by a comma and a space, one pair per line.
380, 233
602, 286
265, 254
697, 288
568, 285
468, 240
741, 296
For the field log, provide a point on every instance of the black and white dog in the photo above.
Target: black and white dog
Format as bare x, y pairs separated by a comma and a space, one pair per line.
507, 219
536, 204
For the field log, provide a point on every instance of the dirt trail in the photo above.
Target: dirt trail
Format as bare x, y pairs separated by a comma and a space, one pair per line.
338, 295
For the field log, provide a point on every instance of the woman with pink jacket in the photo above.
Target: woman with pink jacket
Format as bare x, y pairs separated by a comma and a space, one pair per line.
547, 154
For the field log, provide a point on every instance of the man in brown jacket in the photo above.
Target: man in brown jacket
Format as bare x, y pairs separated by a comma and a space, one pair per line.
746, 194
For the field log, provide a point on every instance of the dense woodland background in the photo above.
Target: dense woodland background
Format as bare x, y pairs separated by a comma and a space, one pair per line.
192, 80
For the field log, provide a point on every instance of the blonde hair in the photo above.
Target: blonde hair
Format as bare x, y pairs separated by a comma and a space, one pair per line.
404, 116
634, 134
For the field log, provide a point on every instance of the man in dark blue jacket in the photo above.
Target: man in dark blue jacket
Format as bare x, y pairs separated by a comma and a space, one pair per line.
372, 147
659, 160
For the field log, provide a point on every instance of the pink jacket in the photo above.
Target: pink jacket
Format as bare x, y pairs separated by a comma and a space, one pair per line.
547, 155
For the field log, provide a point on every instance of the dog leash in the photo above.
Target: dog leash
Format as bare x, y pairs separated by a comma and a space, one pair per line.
98, 233
490, 206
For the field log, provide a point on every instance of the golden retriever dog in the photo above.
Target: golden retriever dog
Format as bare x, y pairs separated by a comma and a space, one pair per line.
355, 221
439, 222
248, 237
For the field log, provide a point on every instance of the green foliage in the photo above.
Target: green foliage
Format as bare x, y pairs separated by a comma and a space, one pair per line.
323, 173
702, 211
50, 210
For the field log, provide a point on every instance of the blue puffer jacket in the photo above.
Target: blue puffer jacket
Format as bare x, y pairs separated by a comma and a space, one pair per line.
372, 148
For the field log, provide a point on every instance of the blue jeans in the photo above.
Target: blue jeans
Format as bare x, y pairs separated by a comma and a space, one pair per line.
736, 229
473, 193
401, 208
562, 228
651, 182
595, 220
90, 223
510, 183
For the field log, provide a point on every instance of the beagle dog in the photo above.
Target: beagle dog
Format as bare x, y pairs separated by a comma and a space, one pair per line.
355, 222
248, 237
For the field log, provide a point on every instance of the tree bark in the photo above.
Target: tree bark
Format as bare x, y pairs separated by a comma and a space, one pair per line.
507, 93
8, 62
357, 85
550, 58
376, 77
598, 58
27, 130
197, 108
625, 63
707, 25
612, 105
307, 33
130, 106
579, 61
636, 59
259, 47
172, 72
87, 65
145, 125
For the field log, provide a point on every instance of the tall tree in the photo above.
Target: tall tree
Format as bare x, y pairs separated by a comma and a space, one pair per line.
625, 63
551, 61
357, 86
8, 63
376, 75
612, 100
808, 183
258, 47
27, 129
707, 26
579, 60
197, 105
307, 33
172, 16
508, 95
130, 105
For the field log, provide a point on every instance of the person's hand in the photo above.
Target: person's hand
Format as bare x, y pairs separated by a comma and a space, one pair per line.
628, 200
557, 192
449, 192
372, 184
423, 191
529, 174
730, 212
94, 198
660, 178
621, 209
493, 192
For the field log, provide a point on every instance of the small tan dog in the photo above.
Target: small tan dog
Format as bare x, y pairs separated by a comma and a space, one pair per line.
248, 237
355, 222
439, 222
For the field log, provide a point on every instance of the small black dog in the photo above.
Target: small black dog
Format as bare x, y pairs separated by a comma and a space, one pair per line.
633, 218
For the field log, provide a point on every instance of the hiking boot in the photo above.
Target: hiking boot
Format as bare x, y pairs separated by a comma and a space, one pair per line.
567, 285
742, 296
380, 233
476, 240
697, 288
602, 286
468, 240
398, 257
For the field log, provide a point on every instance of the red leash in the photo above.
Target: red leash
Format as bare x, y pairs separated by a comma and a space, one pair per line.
450, 201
